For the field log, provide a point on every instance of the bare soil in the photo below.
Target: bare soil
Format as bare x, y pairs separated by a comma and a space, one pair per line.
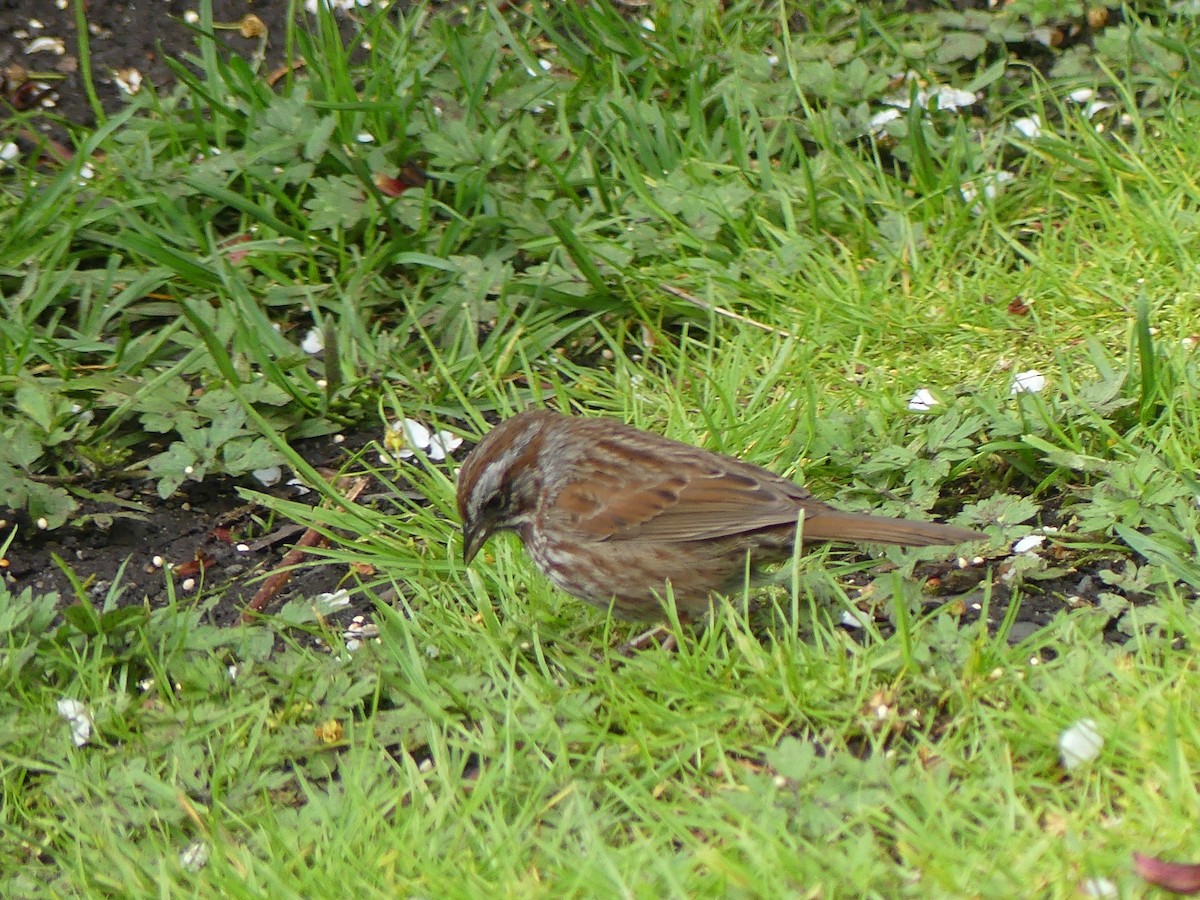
123, 36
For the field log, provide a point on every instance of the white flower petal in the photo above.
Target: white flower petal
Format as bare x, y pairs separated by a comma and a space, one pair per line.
944, 96
1031, 381
271, 475
882, 118
854, 619
299, 486
314, 342
194, 857
128, 81
922, 400
950, 98
443, 444
1029, 542
416, 435
53, 45
329, 602
1103, 888
1030, 126
1044, 35
989, 183
1079, 744
80, 720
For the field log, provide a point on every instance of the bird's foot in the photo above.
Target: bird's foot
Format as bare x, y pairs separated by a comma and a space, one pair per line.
659, 634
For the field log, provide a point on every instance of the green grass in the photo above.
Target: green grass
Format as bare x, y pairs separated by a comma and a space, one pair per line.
491, 739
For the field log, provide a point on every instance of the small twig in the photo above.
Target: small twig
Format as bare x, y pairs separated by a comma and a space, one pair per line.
279, 73
270, 540
681, 294
283, 573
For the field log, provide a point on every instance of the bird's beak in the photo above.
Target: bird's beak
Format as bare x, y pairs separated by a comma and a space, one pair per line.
475, 535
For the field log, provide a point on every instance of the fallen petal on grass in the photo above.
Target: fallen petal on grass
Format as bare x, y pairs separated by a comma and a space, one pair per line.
314, 342
194, 856
1098, 887
1080, 744
331, 601
268, 476
406, 437
877, 121
443, 444
77, 715
1031, 381
987, 184
1029, 542
922, 400
1029, 126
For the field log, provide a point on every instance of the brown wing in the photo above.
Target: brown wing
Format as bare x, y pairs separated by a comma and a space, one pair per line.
673, 492
634, 485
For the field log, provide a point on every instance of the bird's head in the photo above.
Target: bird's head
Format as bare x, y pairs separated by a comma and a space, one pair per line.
499, 481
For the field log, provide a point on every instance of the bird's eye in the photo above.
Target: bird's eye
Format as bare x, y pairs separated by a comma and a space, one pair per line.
493, 504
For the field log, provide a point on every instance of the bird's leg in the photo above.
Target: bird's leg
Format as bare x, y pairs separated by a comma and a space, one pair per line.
662, 634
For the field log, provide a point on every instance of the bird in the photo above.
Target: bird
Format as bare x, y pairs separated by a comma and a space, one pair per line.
612, 514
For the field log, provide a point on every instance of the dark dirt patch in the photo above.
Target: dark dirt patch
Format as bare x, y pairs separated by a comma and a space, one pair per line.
123, 35
206, 533
1073, 584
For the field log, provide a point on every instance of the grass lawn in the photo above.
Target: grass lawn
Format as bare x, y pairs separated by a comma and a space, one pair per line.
932, 263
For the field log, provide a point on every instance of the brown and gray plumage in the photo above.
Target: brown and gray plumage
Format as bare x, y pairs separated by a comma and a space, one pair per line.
612, 513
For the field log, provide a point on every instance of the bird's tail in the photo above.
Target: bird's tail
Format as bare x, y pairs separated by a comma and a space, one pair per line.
834, 525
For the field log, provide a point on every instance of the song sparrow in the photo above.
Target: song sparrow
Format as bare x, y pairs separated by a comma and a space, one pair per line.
612, 513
